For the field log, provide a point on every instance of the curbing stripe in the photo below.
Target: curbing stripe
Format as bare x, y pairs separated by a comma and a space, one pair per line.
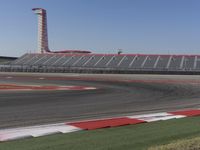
12, 138
188, 113
42, 130
156, 117
97, 124
35, 131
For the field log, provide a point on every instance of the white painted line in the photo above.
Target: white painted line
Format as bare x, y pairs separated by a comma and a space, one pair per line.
70, 86
90, 88
41, 78
75, 88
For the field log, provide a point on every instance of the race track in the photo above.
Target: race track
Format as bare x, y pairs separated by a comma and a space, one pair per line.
115, 95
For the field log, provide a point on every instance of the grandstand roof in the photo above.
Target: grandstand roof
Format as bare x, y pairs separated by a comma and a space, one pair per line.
72, 51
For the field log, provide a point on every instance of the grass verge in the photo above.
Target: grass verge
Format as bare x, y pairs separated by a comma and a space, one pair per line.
132, 137
187, 144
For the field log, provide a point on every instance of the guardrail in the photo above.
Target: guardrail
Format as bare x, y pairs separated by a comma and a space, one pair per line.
48, 69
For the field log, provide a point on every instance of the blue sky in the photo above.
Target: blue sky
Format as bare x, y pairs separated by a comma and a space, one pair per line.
103, 26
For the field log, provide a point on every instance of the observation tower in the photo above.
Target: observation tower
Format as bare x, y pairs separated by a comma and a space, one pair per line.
43, 34
42, 30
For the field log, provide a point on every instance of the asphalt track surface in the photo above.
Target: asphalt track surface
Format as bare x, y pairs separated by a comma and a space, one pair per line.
116, 95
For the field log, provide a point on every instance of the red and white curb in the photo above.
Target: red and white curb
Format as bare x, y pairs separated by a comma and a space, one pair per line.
42, 130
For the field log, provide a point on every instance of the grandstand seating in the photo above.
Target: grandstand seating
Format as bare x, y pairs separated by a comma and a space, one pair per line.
109, 61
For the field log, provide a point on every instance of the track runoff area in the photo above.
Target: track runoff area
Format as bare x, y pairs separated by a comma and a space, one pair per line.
34, 105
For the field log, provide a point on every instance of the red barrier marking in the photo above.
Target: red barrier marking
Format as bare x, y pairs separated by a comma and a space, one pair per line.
11, 87
5, 87
187, 113
97, 124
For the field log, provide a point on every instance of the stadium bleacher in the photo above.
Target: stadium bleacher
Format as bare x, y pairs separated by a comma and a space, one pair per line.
6, 59
116, 62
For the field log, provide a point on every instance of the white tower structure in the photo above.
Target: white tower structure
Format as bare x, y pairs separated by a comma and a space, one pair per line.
42, 30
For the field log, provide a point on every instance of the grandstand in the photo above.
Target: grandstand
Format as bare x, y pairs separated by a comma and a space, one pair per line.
6, 59
105, 63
